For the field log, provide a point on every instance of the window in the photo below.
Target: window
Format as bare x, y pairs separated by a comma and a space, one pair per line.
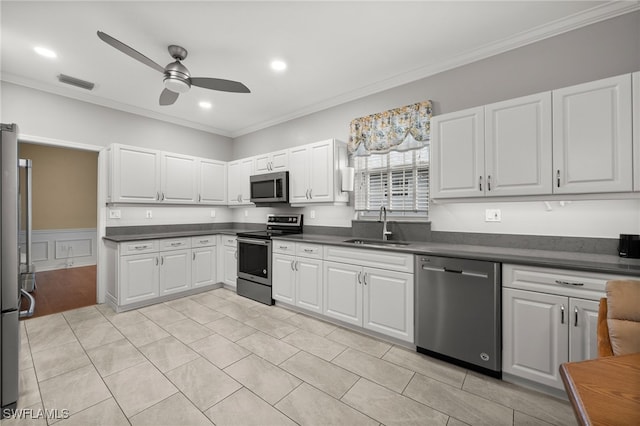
397, 180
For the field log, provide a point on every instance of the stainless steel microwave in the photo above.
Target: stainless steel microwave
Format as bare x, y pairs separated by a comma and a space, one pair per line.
269, 188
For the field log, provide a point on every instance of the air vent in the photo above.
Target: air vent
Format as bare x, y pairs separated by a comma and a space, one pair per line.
75, 82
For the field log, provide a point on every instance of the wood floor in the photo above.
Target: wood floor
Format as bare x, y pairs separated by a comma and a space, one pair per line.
63, 289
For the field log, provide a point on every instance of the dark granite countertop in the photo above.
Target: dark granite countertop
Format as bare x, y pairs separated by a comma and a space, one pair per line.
177, 234
547, 258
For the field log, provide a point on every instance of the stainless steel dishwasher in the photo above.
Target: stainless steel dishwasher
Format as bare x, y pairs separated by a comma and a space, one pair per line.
458, 312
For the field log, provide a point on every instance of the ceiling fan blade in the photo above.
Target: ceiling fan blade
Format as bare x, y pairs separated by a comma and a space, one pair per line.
167, 97
129, 51
220, 84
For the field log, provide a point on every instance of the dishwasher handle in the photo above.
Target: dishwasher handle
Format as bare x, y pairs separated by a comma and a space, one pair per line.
455, 271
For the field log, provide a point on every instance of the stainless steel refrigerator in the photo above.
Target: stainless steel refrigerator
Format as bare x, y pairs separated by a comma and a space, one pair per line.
9, 268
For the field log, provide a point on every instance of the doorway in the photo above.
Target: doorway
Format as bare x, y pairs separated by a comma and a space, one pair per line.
64, 223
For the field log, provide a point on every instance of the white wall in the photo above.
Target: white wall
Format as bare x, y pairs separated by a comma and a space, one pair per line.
165, 215
48, 115
601, 50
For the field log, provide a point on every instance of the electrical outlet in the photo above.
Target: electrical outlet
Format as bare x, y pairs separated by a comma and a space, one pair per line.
492, 215
213, 213
246, 213
312, 214
149, 214
114, 214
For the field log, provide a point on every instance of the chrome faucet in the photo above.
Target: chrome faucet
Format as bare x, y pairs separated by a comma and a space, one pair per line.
383, 218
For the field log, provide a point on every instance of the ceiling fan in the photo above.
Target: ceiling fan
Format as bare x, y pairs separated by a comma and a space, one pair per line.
176, 76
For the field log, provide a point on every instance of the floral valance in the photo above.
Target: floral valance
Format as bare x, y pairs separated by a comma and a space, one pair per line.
398, 129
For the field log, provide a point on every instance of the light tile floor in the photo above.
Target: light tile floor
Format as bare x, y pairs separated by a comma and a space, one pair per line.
218, 358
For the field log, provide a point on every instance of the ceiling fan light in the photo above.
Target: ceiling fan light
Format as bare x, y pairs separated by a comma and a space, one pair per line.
176, 85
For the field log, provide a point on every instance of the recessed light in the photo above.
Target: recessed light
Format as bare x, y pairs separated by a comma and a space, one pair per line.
205, 105
43, 51
278, 65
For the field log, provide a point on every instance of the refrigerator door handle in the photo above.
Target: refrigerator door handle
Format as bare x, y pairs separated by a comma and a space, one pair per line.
32, 304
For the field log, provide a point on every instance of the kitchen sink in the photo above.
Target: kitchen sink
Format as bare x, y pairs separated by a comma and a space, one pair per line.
386, 243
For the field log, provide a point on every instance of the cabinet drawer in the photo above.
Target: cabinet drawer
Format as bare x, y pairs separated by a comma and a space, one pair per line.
228, 240
138, 247
175, 243
309, 250
390, 260
203, 241
586, 285
284, 247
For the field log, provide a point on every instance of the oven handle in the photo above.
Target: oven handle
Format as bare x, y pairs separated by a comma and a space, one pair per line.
251, 241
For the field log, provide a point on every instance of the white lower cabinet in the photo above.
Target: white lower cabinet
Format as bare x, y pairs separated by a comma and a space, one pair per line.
138, 278
203, 261
297, 279
229, 260
376, 298
549, 316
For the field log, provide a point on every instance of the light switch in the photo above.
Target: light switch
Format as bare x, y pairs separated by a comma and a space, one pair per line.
213, 213
493, 215
312, 213
149, 214
114, 214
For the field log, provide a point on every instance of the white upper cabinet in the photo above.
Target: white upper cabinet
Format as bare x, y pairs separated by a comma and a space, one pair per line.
212, 182
313, 173
636, 130
135, 175
272, 162
497, 150
238, 182
457, 154
178, 177
517, 146
592, 137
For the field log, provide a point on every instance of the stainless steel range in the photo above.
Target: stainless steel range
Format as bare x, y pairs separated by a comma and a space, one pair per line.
254, 256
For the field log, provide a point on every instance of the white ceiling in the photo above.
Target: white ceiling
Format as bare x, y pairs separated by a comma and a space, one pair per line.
336, 51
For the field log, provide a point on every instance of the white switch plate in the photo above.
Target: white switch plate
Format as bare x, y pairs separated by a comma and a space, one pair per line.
246, 213
149, 214
114, 214
213, 213
312, 214
493, 215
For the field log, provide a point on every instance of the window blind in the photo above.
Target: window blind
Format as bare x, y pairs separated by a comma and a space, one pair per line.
397, 180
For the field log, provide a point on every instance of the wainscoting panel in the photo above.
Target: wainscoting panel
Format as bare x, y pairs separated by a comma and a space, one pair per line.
63, 248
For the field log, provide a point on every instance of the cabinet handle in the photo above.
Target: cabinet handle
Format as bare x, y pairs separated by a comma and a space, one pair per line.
283, 247
292, 265
310, 193
360, 277
569, 283
162, 196
158, 196
239, 198
199, 198
176, 244
161, 260
235, 254
558, 177
575, 312
194, 256
364, 278
297, 265
204, 241
480, 183
306, 194
140, 247
561, 314
489, 183
308, 250
156, 261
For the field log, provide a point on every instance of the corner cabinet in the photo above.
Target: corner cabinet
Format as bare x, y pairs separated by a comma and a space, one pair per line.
592, 137
549, 317
314, 173
496, 150
371, 289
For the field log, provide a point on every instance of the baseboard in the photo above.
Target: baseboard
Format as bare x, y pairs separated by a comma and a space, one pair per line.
54, 249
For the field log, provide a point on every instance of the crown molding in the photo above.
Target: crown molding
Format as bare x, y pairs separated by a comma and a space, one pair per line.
591, 16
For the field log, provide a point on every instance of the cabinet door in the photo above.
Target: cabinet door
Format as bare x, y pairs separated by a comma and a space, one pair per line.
175, 271
388, 303
321, 172
284, 276
138, 277
203, 266
534, 335
178, 178
592, 137
230, 261
309, 284
135, 175
517, 146
343, 292
583, 325
636, 130
457, 154
212, 182
280, 161
299, 175
238, 183
262, 163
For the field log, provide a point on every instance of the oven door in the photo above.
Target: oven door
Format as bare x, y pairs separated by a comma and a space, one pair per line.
254, 260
